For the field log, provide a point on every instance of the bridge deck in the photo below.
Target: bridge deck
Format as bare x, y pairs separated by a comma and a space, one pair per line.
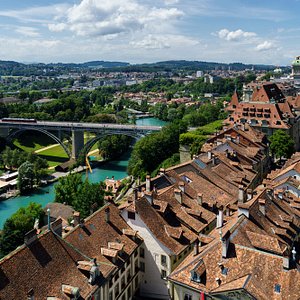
78, 126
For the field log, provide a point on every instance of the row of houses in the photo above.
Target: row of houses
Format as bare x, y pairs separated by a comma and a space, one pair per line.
214, 227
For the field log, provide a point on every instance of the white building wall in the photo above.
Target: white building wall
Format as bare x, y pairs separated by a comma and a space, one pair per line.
180, 292
152, 285
289, 187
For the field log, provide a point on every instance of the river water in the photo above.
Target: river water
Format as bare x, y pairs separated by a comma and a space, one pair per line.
44, 195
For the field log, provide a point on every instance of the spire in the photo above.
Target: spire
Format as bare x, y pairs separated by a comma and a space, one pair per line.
235, 98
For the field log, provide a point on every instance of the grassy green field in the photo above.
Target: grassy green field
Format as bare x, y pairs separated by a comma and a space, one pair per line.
32, 141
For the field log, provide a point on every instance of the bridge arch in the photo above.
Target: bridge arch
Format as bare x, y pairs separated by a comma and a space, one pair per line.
16, 133
88, 146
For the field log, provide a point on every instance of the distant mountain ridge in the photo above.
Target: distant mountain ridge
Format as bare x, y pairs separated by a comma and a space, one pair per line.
22, 69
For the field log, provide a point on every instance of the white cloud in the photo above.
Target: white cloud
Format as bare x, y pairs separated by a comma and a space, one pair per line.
264, 46
27, 31
171, 2
164, 41
57, 27
236, 35
111, 17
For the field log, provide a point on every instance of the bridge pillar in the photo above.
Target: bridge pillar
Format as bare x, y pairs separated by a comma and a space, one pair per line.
77, 143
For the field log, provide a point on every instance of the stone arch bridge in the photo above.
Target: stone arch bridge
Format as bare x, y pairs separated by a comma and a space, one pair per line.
12, 128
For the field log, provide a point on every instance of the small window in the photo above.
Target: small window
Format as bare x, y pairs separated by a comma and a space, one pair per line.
163, 274
142, 252
188, 297
163, 259
142, 266
131, 215
277, 288
117, 291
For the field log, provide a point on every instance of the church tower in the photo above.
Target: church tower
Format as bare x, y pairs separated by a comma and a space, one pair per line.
296, 71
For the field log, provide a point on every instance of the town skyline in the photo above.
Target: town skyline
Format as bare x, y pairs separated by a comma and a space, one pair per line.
145, 32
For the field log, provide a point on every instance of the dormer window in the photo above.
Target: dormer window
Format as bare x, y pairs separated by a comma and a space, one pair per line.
277, 288
195, 276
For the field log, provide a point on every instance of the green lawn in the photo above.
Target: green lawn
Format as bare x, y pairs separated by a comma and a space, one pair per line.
55, 155
30, 141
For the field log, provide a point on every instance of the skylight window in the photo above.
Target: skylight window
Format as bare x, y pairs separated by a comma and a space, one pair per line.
224, 271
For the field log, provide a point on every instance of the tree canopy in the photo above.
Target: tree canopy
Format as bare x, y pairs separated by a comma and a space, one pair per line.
18, 225
83, 196
282, 145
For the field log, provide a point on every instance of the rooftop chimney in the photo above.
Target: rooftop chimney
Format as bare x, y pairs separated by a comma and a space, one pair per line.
200, 198
225, 243
178, 195
107, 215
30, 237
148, 183
209, 155
181, 186
249, 194
94, 272
76, 217
241, 195
162, 171
220, 217
149, 197
56, 226
262, 206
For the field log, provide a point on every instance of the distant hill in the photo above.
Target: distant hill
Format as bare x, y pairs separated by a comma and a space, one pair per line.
53, 69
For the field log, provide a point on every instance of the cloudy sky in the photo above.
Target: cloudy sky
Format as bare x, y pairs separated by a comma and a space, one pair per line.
249, 31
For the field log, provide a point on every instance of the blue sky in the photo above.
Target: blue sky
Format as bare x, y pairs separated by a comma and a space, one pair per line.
248, 31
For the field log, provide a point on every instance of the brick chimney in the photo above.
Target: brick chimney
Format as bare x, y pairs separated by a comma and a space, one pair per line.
178, 195
241, 194
76, 217
148, 183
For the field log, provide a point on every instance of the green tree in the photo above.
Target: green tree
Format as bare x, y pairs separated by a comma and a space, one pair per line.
26, 177
18, 225
85, 197
282, 145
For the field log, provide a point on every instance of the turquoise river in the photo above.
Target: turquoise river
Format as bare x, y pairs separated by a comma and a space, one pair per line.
46, 194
